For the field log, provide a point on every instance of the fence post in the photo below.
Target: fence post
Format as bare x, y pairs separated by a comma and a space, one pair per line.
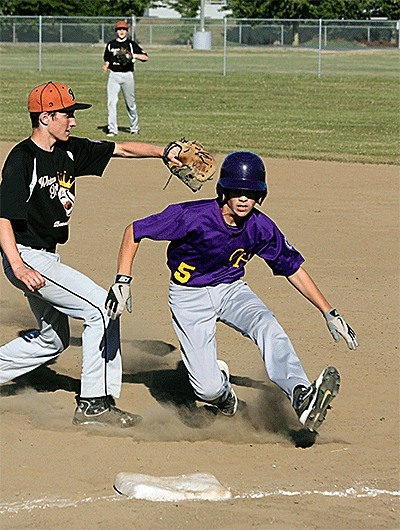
225, 36
282, 36
133, 24
14, 39
40, 43
61, 31
319, 48
398, 35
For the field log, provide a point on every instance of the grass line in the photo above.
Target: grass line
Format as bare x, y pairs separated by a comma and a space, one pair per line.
343, 118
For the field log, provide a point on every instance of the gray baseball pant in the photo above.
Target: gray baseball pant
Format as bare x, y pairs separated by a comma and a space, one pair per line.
67, 293
195, 312
126, 82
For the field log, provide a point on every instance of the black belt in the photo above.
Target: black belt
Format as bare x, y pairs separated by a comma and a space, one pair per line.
52, 250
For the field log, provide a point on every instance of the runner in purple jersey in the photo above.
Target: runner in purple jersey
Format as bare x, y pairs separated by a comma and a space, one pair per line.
205, 250
211, 241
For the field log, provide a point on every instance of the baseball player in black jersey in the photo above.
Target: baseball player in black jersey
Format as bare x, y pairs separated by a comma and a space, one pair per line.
120, 55
37, 196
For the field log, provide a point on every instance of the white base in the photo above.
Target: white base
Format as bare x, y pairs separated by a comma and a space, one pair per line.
197, 486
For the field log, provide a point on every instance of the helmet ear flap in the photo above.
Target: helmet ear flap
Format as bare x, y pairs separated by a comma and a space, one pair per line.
221, 193
262, 197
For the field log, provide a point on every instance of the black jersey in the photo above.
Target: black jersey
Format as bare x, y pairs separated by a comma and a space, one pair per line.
37, 192
110, 54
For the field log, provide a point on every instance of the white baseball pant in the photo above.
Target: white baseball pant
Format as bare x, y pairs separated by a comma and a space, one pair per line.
195, 312
126, 82
67, 293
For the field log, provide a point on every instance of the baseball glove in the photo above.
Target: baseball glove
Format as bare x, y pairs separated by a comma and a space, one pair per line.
198, 165
123, 57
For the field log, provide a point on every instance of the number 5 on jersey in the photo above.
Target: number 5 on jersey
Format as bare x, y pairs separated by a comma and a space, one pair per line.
183, 273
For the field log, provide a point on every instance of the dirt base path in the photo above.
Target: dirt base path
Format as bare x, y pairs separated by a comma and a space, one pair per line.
344, 219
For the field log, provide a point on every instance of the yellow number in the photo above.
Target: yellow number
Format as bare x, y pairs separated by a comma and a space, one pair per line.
183, 273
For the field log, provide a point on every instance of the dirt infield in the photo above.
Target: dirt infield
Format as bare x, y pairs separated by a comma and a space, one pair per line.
344, 219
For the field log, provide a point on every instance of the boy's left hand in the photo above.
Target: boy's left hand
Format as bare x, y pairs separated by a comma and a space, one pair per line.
337, 326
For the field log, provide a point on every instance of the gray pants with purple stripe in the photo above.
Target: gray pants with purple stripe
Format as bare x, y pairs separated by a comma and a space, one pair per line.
67, 293
195, 312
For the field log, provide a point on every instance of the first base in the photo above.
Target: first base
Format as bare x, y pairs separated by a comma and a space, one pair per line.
197, 486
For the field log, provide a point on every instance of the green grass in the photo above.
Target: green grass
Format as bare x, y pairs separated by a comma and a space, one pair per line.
344, 118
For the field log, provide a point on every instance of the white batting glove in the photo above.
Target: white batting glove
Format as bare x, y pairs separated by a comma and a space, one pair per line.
337, 326
119, 296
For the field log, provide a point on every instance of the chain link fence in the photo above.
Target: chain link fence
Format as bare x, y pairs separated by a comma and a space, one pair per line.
272, 45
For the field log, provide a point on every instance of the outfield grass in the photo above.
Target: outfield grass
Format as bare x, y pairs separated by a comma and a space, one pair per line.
343, 118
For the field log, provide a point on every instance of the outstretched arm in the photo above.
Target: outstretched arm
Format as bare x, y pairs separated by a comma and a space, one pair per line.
143, 150
137, 150
303, 282
127, 252
119, 294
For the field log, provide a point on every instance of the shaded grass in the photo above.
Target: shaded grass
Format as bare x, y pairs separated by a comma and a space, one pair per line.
349, 119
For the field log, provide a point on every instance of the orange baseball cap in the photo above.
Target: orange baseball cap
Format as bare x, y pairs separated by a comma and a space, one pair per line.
121, 24
51, 97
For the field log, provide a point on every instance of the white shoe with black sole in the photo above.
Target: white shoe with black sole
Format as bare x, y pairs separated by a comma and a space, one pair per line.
229, 406
311, 404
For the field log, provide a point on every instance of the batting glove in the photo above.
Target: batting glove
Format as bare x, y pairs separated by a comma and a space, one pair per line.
119, 296
337, 326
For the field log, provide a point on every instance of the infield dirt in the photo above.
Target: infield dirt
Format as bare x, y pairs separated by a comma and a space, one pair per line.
344, 219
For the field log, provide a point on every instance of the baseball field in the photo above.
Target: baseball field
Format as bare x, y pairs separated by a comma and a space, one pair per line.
331, 150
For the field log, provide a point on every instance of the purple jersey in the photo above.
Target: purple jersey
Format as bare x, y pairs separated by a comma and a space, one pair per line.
204, 250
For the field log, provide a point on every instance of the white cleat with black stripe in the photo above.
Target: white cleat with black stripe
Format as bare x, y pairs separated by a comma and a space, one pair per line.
312, 403
230, 405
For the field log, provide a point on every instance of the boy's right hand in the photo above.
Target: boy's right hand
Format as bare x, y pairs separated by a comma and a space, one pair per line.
118, 296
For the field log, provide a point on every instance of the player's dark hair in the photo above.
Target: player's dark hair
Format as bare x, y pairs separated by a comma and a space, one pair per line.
34, 119
36, 115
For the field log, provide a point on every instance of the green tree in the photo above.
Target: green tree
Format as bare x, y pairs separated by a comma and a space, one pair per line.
328, 9
117, 8
385, 8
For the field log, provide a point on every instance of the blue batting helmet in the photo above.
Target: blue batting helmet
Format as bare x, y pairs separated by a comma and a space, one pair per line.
243, 170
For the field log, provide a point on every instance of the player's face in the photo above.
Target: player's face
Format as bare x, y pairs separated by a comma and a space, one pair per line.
121, 33
239, 203
60, 125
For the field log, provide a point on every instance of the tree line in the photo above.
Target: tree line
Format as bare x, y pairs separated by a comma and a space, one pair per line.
288, 9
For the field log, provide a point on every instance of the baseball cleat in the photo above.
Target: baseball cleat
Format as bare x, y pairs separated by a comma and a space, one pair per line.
312, 403
224, 368
102, 411
229, 406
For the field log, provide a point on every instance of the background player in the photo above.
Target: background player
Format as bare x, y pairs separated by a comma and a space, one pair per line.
37, 195
120, 55
211, 242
